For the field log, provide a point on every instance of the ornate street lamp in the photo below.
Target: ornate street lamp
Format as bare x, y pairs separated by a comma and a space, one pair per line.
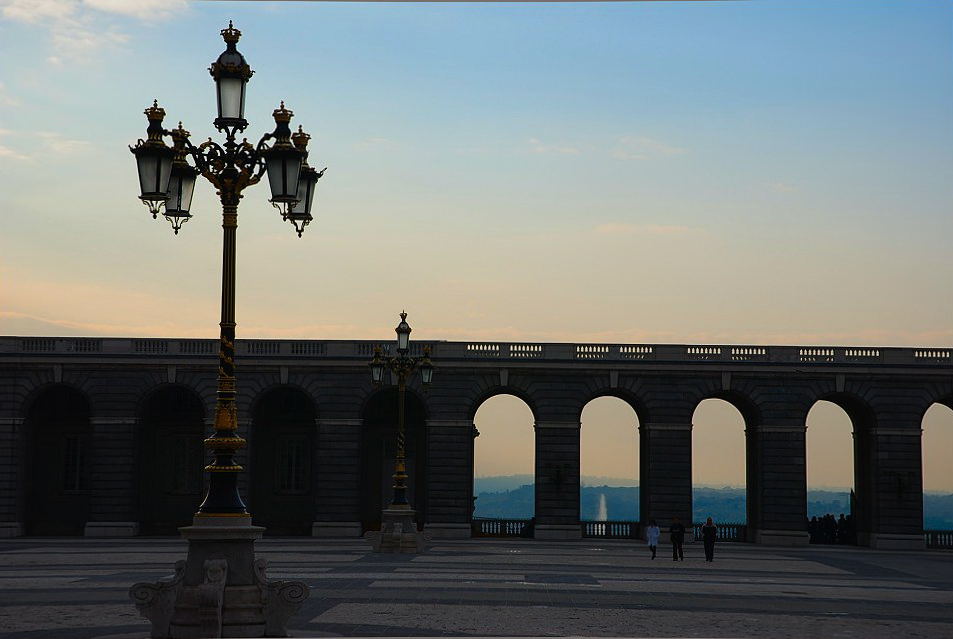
398, 530
221, 552
300, 212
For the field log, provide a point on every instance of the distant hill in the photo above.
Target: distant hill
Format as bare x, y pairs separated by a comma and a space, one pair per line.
513, 497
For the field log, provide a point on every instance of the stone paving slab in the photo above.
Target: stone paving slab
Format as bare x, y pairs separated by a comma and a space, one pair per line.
77, 589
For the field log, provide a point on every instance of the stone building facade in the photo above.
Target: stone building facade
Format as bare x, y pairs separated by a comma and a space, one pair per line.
102, 436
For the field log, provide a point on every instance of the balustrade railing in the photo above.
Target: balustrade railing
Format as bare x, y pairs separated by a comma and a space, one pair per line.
611, 529
938, 538
726, 532
600, 354
488, 527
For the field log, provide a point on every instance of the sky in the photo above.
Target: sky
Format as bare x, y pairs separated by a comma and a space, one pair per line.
759, 172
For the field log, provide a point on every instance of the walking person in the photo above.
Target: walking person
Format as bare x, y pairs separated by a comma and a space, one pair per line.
709, 534
651, 536
676, 532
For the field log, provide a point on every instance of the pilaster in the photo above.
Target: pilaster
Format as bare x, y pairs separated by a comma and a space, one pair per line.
557, 480
337, 482
12, 497
113, 479
777, 484
665, 482
449, 477
897, 487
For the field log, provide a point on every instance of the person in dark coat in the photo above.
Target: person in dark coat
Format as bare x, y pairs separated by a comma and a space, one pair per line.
676, 532
709, 534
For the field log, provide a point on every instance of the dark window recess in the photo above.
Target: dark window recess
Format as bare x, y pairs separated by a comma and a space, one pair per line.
185, 458
291, 466
74, 465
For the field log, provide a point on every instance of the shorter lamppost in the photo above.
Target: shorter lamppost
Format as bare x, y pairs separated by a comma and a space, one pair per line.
398, 531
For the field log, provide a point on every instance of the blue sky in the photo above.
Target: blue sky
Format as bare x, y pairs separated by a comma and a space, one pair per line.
581, 146
702, 172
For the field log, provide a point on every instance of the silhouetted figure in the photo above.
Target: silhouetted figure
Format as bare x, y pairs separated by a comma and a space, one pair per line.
851, 531
842, 530
812, 530
709, 534
829, 528
676, 533
652, 534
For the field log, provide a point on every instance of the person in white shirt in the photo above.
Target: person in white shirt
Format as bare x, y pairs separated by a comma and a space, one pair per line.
651, 536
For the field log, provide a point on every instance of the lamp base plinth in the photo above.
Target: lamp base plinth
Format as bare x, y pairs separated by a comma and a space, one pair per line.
220, 590
398, 533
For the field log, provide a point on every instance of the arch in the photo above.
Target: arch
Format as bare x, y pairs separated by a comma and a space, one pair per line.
171, 458
513, 495
937, 442
378, 450
58, 451
719, 425
827, 450
494, 391
282, 460
609, 431
635, 402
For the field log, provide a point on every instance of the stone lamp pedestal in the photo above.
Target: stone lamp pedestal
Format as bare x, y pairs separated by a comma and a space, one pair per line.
220, 590
398, 532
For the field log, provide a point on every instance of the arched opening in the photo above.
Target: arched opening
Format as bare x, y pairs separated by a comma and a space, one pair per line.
378, 451
609, 461
59, 452
504, 464
837, 472
937, 480
282, 461
171, 459
719, 465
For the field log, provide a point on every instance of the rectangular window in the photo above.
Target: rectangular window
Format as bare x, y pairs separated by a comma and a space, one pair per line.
292, 472
185, 461
74, 465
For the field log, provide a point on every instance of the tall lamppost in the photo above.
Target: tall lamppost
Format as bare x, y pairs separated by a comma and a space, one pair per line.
220, 590
398, 530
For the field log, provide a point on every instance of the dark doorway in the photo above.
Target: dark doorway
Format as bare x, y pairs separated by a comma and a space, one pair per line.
172, 458
378, 448
58, 494
282, 462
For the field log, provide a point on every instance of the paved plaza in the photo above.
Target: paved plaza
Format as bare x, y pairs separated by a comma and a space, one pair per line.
78, 588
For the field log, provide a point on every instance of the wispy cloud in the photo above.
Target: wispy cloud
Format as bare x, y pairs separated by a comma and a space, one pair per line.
625, 228
76, 28
7, 151
50, 143
782, 187
538, 146
641, 148
140, 9
56, 143
5, 98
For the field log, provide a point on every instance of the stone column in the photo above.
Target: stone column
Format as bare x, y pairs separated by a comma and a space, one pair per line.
449, 477
338, 481
777, 484
557, 480
114, 468
12, 497
665, 482
895, 481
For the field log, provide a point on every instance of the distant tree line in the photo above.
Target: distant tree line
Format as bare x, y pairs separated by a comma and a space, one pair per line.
722, 504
